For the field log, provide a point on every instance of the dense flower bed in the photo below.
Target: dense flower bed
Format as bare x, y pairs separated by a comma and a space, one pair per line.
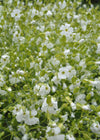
49, 71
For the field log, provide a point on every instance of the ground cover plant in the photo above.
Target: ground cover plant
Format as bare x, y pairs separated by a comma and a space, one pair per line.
49, 71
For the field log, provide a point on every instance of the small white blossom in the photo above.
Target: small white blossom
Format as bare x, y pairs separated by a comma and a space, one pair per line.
16, 14
95, 128
86, 107
2, 92
56, 137
5, 59
44, 90
50, 108
98, 49
25, 137
22, 129
73, 105
80, 98
70, 137
55, 80
49, 13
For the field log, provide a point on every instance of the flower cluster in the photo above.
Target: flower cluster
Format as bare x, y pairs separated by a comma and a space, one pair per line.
49, 70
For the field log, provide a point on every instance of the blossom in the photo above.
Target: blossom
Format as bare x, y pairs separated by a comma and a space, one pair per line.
13, 80
30, 119
62, 73
86, 107
16, 14
49, 13
2, 92
65, 117
16, 109
98, 48
2, 81
44, 90
20, 72
52, 108
62, 5
70, 137
56, 137
5, 59
25, 137
96, 83
55, 80
19, 116
80, 99
66, 73
22, 129
95, 128
66, 30
73, 105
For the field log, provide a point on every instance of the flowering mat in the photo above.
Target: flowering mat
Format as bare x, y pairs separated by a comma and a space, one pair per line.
49, 71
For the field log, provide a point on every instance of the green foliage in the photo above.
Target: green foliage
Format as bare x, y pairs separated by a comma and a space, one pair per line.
49, 70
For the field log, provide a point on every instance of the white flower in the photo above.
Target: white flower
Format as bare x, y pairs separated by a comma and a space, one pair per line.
30, 118
62, 74
54, 89
16, 14
44, 90
19, 115
22, 129
66, 52
98, 113
56, 130
2, 92
95, 128
54, 61
16, 138
49, 13
81, 40
80, 99
73, 105
9, 89
83, 24
44, 78
32, 64
16, 37
96, 83
36, 88
17, 109
72, 115
97, 62
82, 64
66, 30
56, 137
50, 108
70, 137
65, 117
98, 39
5, 59
66, 73
25, 137
98, 49
2, 82
64, 86
13, 80
86, 107
55, 80
77, 58
62, 5
20, 72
